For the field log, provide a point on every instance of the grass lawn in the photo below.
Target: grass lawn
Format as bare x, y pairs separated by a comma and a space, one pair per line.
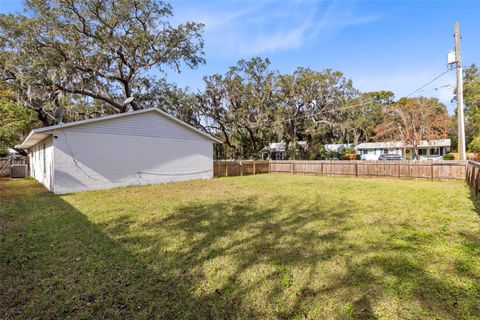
265, 246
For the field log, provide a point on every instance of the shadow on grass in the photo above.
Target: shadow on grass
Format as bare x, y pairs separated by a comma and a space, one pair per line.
57, 264
386, 269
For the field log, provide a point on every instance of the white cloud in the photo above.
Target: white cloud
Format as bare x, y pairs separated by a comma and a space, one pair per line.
219, 19
236, 29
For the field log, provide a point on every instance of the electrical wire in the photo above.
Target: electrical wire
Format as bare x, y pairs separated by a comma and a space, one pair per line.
139, 173
323, 111
426, 84
436, 88
371, 101
75, 160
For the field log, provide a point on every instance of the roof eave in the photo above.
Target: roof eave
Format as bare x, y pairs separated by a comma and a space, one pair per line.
32, 139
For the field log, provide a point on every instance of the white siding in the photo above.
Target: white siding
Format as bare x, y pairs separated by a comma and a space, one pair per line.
150, 124
41, 163
140, 149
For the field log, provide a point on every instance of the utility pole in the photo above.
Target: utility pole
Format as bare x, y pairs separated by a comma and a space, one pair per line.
461, 119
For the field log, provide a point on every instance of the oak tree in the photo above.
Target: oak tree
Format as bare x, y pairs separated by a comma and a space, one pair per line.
99, 50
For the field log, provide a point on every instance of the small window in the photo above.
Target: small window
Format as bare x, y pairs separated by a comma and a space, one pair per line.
385, 151
44, 159
434, 151
365, 151
422, 152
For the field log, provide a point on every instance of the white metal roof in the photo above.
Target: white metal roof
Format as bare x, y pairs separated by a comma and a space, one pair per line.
335, 147
281, 146
400, 144
37, 135
276, 146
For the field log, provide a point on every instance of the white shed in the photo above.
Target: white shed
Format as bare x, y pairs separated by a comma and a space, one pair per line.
136, 148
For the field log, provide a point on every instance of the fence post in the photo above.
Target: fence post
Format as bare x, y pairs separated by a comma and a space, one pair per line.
466, 172
293, 167
269, 166
469, 178
321, 168
431, 169
226, 169
241, 168
356, 169
253, 167
472, 177
476, 183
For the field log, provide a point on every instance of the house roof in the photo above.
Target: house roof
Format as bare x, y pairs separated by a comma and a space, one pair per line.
37, 135
401, 144
380, 145
281, 146
338, 146
275, 146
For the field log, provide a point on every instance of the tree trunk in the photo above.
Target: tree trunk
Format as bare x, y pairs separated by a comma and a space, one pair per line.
42, 116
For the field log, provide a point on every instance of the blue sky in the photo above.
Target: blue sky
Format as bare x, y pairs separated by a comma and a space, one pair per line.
391, 45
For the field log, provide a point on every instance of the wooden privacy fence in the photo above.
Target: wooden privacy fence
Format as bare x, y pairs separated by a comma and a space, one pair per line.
411, 169
6, 164
472, 176
227, 168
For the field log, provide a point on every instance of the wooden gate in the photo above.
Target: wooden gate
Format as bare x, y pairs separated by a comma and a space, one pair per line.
6, 164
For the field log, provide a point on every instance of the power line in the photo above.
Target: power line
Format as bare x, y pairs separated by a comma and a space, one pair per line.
426, 84
372, 101
319, 112
366, 102
436, 88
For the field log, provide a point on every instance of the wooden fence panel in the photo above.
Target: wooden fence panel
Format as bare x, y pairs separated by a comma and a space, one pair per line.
472, 176
228, 168
398, 169
262, 167
280, 166
6, 164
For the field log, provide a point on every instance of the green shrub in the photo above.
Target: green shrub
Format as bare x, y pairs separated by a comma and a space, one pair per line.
449, 156
3, 152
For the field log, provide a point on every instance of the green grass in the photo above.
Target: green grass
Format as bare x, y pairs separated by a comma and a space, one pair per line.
265, 246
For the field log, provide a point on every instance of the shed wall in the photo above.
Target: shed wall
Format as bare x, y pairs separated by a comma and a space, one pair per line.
136, 150
41, 157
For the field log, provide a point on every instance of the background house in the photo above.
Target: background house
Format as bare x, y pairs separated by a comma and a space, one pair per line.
141, 147
338, 147
278, 151
275, 151
427, 150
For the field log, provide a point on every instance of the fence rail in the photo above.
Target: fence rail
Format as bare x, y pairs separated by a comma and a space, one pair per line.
6, 164
412, 169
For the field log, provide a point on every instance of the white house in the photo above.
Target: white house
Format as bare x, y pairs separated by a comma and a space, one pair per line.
427, 150
141, 147
338, 147
277, 150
